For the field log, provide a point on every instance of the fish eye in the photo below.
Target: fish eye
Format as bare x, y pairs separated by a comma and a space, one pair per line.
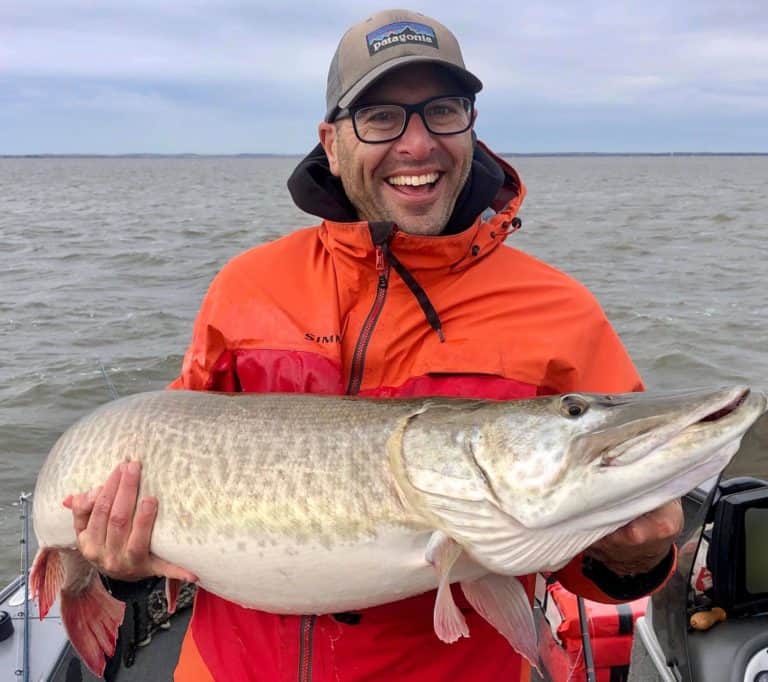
573, 406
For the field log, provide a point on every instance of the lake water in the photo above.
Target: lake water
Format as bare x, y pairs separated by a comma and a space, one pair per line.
106, 260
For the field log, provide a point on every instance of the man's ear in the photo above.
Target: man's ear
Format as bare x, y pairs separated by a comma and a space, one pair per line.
329, 140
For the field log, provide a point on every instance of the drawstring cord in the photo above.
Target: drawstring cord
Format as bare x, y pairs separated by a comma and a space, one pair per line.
421, 296
381, 234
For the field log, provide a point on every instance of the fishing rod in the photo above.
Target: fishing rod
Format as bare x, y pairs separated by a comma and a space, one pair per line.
110, 386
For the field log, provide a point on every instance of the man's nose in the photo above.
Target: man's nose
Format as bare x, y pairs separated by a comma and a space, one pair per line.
416, 140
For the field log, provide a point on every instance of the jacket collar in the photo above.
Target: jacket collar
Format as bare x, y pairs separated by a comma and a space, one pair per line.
317, 191
473, 230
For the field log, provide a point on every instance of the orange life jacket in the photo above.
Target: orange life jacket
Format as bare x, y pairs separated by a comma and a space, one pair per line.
325, 310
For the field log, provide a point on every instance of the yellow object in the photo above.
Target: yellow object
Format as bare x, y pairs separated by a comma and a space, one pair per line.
704, 620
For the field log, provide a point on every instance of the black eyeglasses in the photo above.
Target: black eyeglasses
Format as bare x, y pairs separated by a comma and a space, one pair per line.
375, 123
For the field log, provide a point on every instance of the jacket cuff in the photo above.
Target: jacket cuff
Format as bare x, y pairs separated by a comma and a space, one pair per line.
629, 587
128, 591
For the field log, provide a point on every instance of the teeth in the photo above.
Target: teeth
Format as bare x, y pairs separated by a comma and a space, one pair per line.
413, 180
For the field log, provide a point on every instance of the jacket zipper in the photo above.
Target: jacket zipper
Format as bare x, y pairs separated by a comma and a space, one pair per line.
358, 359
307, 628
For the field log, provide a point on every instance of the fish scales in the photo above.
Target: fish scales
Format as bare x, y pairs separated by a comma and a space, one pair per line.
265, 463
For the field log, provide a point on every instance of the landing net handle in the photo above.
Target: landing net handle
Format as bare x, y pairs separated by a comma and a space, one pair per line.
23, 671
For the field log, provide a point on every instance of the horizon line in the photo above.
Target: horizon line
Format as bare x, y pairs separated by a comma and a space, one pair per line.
129, 155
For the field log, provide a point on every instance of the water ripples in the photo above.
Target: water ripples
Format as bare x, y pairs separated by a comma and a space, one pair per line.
106, 261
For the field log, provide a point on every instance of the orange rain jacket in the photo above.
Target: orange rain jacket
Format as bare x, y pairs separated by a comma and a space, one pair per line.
323, 310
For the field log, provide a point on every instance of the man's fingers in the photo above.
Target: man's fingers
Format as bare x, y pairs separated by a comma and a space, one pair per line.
121, 512
656, 527
81, 506
114, 531
169, 570
668, 520
642, 544
137, 546
96, 531
81, 512
638, 533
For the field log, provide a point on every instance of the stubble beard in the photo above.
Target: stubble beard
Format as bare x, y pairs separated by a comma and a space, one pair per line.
371, 208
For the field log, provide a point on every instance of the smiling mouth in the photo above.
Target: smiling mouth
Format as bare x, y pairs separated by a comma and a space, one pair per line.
426, 180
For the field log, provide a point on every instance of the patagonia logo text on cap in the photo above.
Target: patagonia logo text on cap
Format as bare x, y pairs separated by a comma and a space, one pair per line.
400, 33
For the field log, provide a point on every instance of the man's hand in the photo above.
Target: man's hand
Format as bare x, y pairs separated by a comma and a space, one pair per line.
113, 531
642, 544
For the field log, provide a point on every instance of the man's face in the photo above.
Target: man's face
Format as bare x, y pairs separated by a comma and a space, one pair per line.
414, 180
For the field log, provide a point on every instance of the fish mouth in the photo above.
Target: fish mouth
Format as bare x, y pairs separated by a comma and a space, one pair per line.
727, 409
652, 433
657, 450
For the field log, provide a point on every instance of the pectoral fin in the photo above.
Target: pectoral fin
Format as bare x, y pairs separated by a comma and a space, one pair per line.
172, 586
502, 601
442, 553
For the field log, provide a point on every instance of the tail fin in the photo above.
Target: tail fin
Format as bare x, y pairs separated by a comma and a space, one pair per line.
90, 614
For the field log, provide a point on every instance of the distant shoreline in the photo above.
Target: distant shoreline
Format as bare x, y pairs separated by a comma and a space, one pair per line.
295, 156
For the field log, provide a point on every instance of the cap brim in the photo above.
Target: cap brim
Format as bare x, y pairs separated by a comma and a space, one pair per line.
467, 79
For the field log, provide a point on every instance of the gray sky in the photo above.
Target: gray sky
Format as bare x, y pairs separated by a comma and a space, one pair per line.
119, 76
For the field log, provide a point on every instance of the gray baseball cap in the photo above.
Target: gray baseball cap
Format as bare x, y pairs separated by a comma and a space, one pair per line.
386, 41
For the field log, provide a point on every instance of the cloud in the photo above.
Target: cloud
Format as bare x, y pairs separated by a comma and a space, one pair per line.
253, 66
609, 54
189, 46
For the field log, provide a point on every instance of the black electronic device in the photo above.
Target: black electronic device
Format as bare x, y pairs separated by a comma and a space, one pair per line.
6, 625
738, 551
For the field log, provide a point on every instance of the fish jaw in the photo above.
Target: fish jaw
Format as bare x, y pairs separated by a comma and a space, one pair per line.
512, 518
666, 458
615, 448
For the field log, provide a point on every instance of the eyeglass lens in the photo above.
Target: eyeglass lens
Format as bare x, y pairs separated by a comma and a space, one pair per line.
442, 116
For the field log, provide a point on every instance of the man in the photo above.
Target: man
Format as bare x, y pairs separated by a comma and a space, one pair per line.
402, 290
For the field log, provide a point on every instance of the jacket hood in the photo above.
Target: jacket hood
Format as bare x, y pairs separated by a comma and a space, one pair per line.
316, 190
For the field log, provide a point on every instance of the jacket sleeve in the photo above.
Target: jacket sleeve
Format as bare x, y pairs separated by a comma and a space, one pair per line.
208, 364
591, 358
593, 580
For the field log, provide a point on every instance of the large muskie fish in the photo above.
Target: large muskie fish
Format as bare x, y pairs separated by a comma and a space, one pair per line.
313, 504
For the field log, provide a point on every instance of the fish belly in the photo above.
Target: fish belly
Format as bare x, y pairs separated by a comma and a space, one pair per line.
281, 575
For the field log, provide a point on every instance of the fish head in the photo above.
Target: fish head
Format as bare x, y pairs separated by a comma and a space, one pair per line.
596, 460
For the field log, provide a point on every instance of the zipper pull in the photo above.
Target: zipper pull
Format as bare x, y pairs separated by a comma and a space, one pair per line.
381, 266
